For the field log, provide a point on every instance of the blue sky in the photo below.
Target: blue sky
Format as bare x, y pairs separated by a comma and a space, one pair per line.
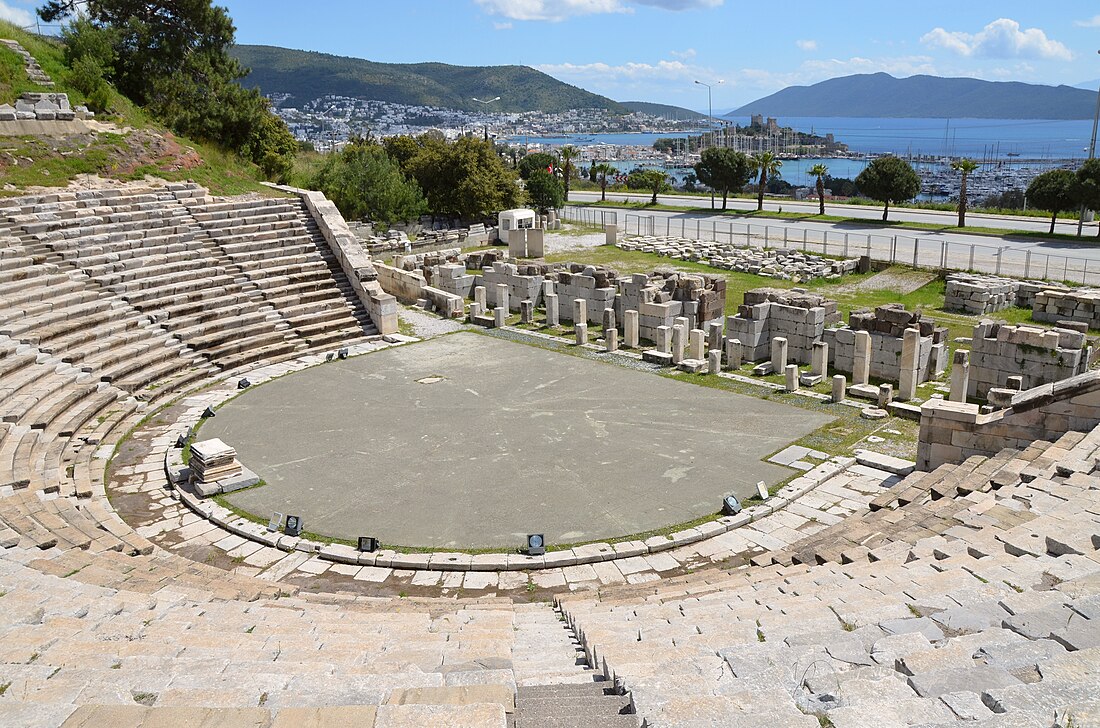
653, 50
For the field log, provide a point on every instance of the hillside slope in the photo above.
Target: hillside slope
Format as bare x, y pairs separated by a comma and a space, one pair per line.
308, 75
664, 110
882, 95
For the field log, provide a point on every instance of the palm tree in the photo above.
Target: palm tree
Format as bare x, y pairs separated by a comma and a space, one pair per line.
568, 153
965, 166
767, 165
820, 170
604, 172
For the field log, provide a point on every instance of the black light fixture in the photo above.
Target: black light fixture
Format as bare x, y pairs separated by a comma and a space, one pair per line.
244, 384
368, 544
293, 526
209, 412
536, 544
343, 353
181, 441
731, 506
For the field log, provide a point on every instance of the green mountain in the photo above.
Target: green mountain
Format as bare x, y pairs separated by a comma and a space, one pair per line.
663, 110
307, 75
882, 95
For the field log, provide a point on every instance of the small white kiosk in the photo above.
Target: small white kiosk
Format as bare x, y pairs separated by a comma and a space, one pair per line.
517, 219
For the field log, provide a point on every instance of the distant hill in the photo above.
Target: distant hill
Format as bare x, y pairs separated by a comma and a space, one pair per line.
663, 110
880, 94
308, 75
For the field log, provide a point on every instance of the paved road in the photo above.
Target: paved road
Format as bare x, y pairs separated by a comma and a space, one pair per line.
935, 217
1021, 257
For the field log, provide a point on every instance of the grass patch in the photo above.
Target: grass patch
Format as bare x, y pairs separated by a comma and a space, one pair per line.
4, 688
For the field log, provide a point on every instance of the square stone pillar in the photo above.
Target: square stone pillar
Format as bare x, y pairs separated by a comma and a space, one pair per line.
610, 234
630, 329
479, 296
734, 353
664, 339
580, 311
779, 354
502, 296
861, 366
677, 344
714, 361
819, 359
840, 386
681, 321
714, 336
960, 375
476, 309
581, 331
500, 316
526, 311
791, 371
551, 300
885, 395
609, 319
910, 364
697, 340
547, 287
611, 339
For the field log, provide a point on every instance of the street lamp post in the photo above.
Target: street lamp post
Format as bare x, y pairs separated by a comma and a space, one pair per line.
710, 118
1092, 153
485, 103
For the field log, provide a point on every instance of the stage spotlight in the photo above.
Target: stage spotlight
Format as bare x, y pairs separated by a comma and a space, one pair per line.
181, 441
244, 384
368, 544
731, 506
536, 544
209, 412
293, 526
343, 353
275, 523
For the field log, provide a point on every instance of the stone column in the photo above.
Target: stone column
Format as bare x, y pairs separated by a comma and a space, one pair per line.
714, 361
840, 386
551, 300
677, 344
734, 352
714, 335
630, 326
608, 319
611, 339
791, 371
610, 234
910, 364
476, 309
960, 376
526, 312
779, 354
547, 287
885, 395
697, 340
819, 359
681, 321
861, 366
479, 296
500, 315
664, 339
580, 311
581, 331
502, 295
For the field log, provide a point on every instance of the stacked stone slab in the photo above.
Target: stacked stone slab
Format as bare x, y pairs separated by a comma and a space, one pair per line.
886, 326
977, 294
1039, 356
654, 304
595, 286
1027, 290
1077, 304
213, 460
796, 315
772, 263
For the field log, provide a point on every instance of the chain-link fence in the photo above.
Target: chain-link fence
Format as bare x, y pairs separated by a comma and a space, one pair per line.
923, 252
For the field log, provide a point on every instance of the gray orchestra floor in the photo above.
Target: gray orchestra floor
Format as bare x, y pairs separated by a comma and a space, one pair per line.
469, 441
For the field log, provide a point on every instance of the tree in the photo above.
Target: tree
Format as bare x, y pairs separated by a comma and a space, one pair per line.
820, 171
766, 165
604, 173
1055, 190
1088, 186
964, 167
841, 186
568, 154
535, 161
723, 170
545, 191
653, 180
363, 182
888, 179
464, 178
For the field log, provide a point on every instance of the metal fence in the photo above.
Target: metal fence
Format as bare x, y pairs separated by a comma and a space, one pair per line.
923, 252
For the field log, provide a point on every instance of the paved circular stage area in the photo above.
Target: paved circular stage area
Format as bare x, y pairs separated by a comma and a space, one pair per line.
469, 441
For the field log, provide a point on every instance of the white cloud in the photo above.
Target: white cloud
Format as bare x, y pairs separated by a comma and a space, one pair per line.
557, 10
1093, 22
19, 16
806, 45
685, 54
502, 26
663, 70
1003, 38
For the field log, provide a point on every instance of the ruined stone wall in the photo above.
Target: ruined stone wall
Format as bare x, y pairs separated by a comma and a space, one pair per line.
1039, 356
887, 325
1078, 304
522, 283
